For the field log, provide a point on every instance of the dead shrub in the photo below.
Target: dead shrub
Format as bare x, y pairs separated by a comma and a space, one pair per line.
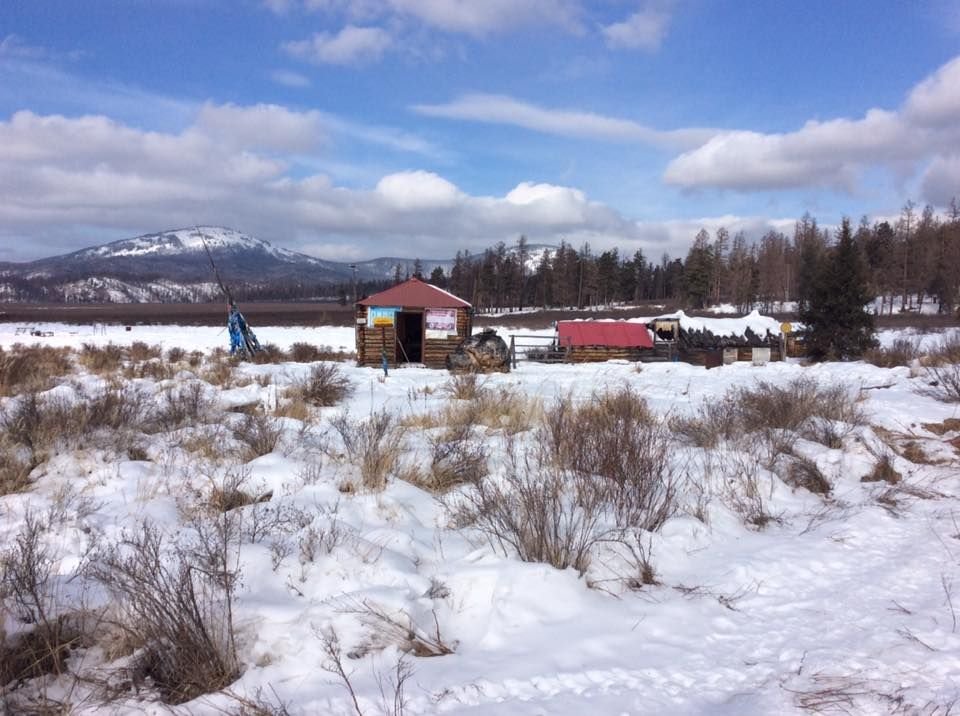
176, 354
26, 570
32, 368
101, 359
38, 424
883, 471
14, 469
295, 409
269, 353
154, 370
116, 406
616, 437
713, 422
175, 603
373, 445
219, 372
183, 405
901, 353
455, 460
325, 386
943, 382
914, 452
744, 488
802, 472
301, 352
494, 409
397, 629
824, 414
539, 511
947, 351
465, 386
260, 433
140, 352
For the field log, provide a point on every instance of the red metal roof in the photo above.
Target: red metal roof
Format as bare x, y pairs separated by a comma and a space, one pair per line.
415, 294
613, 334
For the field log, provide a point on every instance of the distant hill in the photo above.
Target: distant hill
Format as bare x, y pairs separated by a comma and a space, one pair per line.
172, 266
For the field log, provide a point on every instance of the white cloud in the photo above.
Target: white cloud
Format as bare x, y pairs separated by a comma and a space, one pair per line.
80, 176
499, 109
835, 152
644, 30
15, 46
480, 18
288, 78
941, 181
351, 46
261, 126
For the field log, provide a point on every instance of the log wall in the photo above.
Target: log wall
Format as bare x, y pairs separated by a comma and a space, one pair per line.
370, 341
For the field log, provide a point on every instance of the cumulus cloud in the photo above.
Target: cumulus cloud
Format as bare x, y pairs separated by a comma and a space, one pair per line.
351, 46
481, 18
834, 152
58, 174
500, 109
643, 30
471, 17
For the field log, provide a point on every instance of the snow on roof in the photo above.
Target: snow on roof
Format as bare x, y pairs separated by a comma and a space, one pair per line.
415, 293
615, 334
757, 323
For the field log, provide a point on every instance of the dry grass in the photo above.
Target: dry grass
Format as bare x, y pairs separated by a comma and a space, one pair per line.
36, 367
455, 459
176, 605
901, 353
824, 414
309, 353
14, 469
803, 472
260, 434
269, 353
294, 408
883, 471
218, 371
615, 436
140, 352
101, 359
325, 386
943, 382
946, 352
373, 445
465, 386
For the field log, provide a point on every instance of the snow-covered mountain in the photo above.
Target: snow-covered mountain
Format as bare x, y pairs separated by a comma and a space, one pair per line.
171, 266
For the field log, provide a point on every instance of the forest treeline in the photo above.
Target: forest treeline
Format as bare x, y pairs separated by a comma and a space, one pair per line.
907, 262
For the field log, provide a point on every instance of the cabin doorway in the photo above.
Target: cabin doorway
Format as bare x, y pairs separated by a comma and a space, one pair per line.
409, 337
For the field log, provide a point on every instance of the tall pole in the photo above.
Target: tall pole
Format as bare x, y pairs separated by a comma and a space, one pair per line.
355, 297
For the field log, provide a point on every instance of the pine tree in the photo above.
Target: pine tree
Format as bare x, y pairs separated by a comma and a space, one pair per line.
837, 324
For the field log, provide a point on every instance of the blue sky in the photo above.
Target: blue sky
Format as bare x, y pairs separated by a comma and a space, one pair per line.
420, 127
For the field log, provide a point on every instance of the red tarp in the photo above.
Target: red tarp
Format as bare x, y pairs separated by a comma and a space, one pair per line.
613, 334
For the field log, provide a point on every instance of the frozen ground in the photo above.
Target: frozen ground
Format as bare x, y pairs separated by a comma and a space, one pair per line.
844, 603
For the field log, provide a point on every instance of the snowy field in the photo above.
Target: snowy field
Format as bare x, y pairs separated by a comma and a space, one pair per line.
759, 595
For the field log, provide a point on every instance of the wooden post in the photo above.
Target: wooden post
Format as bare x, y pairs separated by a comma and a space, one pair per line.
513, 352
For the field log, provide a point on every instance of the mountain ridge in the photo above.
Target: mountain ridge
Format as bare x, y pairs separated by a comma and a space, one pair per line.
172, 265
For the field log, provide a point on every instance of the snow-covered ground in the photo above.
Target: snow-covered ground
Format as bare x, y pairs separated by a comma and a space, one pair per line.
846, 602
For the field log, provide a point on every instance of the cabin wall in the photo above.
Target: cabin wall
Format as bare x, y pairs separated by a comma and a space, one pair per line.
598, 354
372, 341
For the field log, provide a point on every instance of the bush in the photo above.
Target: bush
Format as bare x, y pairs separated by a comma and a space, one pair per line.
176, 605
269, 353
616, 437
182, 405
824, 414
176, 354
902, 353
373, 445
26, 585
948, 350
454, 460
465, 386
140, 352
945, 382
31, 368
325, 386
37, 424
101, 359
260, 433
539, 511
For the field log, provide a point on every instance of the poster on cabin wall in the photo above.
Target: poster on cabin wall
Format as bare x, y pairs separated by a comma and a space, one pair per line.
382, 316
441, 322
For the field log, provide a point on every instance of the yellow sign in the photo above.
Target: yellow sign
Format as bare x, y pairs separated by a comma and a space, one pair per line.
786, 327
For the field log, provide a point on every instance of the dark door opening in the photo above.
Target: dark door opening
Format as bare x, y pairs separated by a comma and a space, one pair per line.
409, 337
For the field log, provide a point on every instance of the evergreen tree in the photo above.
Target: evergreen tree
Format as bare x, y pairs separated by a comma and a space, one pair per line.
837, 325
698, 270
437, 278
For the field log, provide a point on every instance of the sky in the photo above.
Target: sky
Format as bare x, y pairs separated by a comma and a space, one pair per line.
351, 129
